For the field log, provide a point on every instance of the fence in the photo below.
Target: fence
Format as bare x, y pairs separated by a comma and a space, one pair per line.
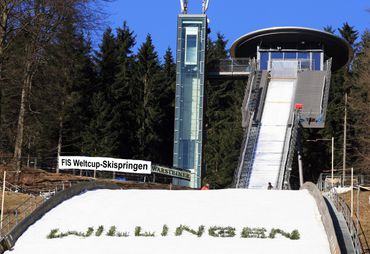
296, 64
7, 241
325, 216
325, 181
19, 213
16, 215
48, 163
358, 236
39, 194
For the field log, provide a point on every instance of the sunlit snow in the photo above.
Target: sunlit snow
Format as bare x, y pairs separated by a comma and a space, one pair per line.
151, 209
270, 144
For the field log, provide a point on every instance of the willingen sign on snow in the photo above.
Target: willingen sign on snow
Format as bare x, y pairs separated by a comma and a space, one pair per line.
105, 164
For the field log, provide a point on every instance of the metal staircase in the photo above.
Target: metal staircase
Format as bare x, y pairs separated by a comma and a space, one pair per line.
249, 112
249, 156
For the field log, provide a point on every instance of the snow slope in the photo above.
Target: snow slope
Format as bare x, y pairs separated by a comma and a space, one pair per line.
270, 144
151, 209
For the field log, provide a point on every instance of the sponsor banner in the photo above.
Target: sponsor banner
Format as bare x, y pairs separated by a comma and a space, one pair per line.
171, 172
105, 164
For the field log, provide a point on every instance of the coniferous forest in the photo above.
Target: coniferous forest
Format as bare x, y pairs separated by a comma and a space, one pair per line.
60, 95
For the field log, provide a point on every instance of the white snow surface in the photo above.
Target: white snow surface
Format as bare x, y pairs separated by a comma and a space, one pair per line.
270, 144
151, 209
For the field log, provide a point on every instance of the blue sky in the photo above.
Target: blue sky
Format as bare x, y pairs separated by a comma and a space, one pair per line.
234, 18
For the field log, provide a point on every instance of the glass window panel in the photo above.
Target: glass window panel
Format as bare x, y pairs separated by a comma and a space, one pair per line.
303, 55
316, 60
276, 55
290, 55
264, 58
191, 44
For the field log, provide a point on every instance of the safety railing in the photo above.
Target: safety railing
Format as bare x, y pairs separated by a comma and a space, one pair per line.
358, 236
248, 114
247, 119
288, 153
249, 167
298, 64
246, 110
239, 170
30, 161
19, 213
232, 66
325, 97
292, 150
16, 215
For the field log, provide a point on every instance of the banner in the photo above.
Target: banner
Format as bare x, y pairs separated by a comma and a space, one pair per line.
172, 172
105, 164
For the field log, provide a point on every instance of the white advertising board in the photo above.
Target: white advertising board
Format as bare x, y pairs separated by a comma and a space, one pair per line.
105, 164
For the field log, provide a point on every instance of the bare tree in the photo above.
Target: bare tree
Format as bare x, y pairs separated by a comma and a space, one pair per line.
40, 23
9, 24
359, 104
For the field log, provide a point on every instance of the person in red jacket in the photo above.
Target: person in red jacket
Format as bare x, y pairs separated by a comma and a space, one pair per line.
205, 187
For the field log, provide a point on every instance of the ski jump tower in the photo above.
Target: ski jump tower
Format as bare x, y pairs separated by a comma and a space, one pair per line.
288, 72
288, 87
190, 73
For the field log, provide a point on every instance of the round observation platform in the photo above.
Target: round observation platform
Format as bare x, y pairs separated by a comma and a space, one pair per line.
299, 38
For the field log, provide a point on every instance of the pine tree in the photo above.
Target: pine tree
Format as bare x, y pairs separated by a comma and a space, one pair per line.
99, 138
107, 60
148, 112
124, 92
349, 34
166, 99
77, 112
224, 132
329, 29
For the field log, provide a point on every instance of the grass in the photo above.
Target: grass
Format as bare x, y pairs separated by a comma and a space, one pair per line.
16, 207
364, 207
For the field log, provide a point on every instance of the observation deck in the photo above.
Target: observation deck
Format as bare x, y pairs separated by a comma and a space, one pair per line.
299, 38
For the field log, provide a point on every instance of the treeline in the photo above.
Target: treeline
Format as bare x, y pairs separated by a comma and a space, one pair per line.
353, 80
59, 96
34, 80
224, 133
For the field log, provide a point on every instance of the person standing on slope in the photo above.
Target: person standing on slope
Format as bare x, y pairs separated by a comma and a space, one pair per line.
270, 187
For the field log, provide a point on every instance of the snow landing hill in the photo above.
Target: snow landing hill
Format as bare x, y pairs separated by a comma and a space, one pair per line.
152, 209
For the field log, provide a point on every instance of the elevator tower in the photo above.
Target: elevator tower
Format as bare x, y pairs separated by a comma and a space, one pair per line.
189, 102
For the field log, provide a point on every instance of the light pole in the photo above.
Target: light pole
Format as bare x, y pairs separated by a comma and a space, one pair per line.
332, 155
2, 202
